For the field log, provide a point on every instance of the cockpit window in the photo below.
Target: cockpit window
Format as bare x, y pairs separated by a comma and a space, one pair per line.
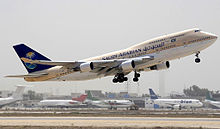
197, 30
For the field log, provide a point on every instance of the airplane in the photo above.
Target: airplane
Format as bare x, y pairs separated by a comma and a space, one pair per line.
110, 104
153, 54
174, 103
16, 96
115, 104
209, 99
63, 103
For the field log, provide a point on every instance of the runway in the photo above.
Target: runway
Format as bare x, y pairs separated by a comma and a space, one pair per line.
111, 121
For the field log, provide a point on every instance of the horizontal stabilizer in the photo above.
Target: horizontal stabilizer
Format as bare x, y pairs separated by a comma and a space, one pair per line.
27, 75
52, 63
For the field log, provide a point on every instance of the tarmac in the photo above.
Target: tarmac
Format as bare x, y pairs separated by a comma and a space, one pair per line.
35, 118
136, 122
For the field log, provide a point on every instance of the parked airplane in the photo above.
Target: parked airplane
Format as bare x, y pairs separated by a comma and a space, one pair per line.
174, 103
153, 54
209, 99
110, 104
63, 103
115, 104
17, 95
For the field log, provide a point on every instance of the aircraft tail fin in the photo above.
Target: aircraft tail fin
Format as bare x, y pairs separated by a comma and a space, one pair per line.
209, 96
81, 98
26, 52
152, 94
90, 96
18, 92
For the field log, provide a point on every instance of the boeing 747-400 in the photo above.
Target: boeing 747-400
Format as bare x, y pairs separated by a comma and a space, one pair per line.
153, 54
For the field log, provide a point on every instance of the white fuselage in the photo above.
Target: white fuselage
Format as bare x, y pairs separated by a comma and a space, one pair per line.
113, 103
17, 95
58, 103
214, 103
183, 103
164, 48
9, 100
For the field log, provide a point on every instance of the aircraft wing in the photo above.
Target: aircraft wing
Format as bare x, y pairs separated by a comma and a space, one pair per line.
105, 67
97, 63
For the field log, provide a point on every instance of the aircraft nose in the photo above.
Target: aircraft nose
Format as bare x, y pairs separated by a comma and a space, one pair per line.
200, 104
213, 36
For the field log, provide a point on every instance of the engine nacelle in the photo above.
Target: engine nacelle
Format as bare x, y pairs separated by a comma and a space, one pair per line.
127, 65
161, 66
177, 106
86, 67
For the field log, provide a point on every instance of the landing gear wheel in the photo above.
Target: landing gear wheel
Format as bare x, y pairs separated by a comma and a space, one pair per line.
197, 60
136, 76
125, 79
121, 81
119, 78
135, 79
115, 80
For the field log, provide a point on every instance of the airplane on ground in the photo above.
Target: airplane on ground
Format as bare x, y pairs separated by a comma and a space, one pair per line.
63, 103
209, 99
16, 96
153, 54
111, 104
115, 104
174, 103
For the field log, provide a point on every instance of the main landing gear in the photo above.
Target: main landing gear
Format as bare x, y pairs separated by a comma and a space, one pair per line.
197, 60
120, 77
136, 76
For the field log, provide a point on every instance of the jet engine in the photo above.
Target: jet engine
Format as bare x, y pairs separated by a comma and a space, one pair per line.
86, 67
177, 106
127, 65
161, 66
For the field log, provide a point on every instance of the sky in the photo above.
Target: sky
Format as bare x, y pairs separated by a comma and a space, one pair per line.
70, 30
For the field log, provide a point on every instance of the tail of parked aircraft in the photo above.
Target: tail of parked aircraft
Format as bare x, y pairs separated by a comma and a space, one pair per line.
24, 51
18, 92
152, 94
90, 96
209, 96
81, 98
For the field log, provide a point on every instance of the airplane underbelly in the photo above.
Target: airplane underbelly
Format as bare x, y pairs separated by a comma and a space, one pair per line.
77, 76
177, 52
183, 51
159, 57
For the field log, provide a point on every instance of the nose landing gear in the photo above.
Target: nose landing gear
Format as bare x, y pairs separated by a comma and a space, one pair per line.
197, 60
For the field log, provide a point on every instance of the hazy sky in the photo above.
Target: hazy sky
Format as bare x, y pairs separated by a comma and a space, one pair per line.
69, 30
